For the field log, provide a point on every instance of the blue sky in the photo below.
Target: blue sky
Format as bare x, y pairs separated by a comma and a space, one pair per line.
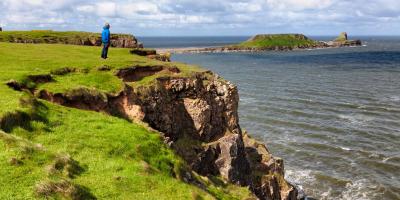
206, 17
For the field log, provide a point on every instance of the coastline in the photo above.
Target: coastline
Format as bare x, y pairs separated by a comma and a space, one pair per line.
223, 49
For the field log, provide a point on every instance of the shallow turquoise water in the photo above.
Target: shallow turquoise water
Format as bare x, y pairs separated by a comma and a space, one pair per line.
333, 115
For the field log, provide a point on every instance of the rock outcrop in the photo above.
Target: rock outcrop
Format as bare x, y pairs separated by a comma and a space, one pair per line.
198, 118
343, 41
73, 38
124, 41
342, 37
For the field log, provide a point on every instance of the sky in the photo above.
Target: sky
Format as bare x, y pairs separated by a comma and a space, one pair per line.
205, 17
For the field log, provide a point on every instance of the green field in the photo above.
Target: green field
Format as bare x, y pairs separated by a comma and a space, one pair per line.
51, 151
277, 40
53, 37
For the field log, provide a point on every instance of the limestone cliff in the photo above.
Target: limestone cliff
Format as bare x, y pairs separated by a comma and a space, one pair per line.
198, 118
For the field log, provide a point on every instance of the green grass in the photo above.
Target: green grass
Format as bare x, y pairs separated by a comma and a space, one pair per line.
120, 159
49, 36
104, 82
277, 40
108, 157
19, 60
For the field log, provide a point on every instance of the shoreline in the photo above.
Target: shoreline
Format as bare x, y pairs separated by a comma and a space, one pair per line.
223, 49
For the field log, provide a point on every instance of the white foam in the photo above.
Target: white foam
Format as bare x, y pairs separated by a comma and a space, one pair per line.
358, 189
361, 190
300, 178
357, 119
386, 159
395, 98
345, 148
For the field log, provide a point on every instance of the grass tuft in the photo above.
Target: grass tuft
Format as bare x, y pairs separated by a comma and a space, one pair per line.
62, 188
63, 71
65, 165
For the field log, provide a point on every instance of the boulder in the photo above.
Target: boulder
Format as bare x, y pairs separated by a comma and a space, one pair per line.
232, 163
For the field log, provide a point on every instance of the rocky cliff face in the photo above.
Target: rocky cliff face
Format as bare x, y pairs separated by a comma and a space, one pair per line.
73, 38
125, 41
117, 40
198, 118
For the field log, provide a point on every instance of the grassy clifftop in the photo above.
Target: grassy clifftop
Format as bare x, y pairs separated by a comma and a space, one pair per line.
67, 37
277, 40
51, 151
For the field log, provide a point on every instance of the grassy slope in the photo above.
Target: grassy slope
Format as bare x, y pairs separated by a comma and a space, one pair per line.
277, 40
117, 159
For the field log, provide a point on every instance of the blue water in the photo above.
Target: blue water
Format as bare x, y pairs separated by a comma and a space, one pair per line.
179, 42
333, 115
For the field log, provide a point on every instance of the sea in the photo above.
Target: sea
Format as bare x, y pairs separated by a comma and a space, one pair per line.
333, 115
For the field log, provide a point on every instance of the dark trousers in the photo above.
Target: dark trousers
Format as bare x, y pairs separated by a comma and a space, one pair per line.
105, 50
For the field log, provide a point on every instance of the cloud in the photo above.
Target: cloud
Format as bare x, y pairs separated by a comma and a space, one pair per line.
236, 17
299, 4
106, 9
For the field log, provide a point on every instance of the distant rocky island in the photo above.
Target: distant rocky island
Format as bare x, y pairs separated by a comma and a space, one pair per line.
274, 42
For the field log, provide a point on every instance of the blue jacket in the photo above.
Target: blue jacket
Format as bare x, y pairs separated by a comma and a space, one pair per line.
105, 35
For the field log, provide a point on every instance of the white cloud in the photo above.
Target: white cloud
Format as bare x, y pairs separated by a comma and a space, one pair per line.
106, 9
232, 16
299, 4
195, 19
86, 8
246, 7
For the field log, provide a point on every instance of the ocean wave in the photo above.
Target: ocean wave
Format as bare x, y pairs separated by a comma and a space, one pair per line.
300, 178
362, 190
344, 148
394, 98
357, 119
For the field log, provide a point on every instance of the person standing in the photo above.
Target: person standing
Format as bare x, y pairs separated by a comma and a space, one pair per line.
105, 39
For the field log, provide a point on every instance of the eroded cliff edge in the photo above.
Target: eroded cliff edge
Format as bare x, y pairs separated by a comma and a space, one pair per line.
198, 118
